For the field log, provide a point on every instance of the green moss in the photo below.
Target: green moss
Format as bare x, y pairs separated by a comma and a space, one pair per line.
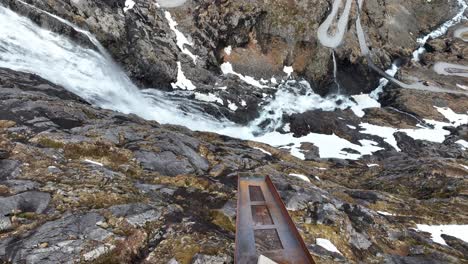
99, 151
28, 215
50, 143
222, 220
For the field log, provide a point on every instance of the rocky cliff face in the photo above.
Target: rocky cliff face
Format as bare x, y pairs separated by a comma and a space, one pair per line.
84, 184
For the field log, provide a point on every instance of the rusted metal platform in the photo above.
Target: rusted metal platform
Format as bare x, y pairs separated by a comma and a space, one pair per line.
264, 227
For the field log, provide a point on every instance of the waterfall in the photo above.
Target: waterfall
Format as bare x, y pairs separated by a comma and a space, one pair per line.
335, 73
93, 75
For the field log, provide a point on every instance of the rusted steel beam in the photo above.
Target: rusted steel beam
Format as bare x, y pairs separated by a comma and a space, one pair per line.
264, 227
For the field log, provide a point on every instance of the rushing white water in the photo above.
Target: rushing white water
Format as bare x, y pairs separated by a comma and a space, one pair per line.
24, 46
441, 30
441, 68
96, 78
335, 72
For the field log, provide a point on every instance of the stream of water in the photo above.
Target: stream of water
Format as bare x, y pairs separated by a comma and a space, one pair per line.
95, 77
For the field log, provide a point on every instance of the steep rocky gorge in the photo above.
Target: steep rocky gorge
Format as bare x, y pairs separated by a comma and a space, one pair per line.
79, 183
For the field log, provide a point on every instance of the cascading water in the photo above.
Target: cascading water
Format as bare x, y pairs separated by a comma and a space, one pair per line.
96, 78
335, 73
92, 75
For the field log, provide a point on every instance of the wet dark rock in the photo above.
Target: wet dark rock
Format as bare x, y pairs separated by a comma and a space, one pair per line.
35, 202
4, 154
33, 83
325, 254
18, 186
457, 244
9, 169
66, 238
166, 163
5, 224
136, 214
324, 213
180, 178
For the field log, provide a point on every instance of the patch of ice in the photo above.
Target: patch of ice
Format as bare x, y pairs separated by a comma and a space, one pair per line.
327, 244
273, 80
373, 165
182, 81
129, 4
464, 87
300, 176
458, 231
243, 103
226, 68
181, 39
464, 166
352, 127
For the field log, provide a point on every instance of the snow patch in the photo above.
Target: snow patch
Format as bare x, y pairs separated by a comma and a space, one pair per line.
463, 143
327, 244
182, 81
94, 162
262, 150
458, 231
385, 213
363, 101
330, 146
208, 98
228, 50
288, 70
129, 4
264, 260
300, 176
436, 134
232, 106
226, 68
181, 39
